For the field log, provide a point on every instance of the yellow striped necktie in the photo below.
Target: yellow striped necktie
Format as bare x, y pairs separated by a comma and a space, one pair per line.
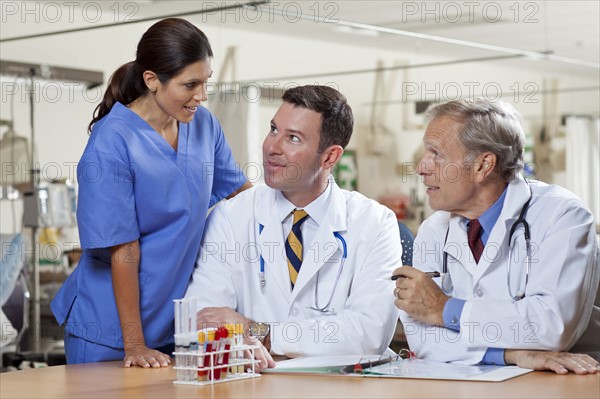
293, 245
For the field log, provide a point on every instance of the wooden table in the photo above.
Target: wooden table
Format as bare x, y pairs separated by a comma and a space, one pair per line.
111, 380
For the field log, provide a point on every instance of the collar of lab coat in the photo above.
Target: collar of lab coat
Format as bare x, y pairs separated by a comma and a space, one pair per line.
335, 220
497, 245
317, 209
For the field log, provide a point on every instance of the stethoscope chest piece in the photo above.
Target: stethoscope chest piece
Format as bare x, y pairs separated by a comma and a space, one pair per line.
447, 283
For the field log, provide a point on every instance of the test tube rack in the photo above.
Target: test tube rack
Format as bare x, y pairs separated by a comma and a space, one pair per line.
236, 368
210, 355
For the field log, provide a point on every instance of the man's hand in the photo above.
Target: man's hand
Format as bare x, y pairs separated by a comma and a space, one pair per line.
559, 362
265, 360
419, 296
145, 357
212, 317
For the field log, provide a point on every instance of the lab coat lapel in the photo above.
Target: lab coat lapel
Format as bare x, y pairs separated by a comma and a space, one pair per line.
320, 250
457, 245
271, 244
492, 252
516, 196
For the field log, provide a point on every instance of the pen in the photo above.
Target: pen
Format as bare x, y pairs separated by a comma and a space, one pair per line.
397, 276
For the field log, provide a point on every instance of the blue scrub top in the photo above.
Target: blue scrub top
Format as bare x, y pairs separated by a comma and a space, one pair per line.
134, 185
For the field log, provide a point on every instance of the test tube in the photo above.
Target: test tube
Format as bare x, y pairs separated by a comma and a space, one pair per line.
209, 357
178, 338
193, 337
186, 337
228, 344
233, 354
239, 341
201, 350
220, 346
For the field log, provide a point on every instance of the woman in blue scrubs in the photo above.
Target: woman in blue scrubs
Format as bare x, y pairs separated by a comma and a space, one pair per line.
154, 163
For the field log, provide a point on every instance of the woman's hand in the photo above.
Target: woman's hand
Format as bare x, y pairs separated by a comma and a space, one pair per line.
145, 357
125, 260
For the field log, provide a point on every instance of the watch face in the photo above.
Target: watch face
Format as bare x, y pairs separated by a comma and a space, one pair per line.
259, 330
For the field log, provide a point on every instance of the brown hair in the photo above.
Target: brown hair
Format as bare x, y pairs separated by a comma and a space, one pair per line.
166, 49
337, 120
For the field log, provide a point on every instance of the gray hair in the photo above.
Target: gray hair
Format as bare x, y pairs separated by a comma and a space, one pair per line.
487, 126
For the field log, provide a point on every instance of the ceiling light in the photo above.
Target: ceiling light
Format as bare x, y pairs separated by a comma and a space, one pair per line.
355, 31
535, 55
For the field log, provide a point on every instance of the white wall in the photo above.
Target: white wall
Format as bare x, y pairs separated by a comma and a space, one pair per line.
61, 117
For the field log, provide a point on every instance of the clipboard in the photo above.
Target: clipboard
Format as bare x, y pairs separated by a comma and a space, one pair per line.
329, 365
401, 366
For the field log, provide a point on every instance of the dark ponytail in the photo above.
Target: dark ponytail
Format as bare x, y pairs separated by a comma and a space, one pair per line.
167, 47
125, 85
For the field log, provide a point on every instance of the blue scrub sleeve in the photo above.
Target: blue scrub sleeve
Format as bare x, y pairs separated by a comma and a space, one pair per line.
227, 177
106, 214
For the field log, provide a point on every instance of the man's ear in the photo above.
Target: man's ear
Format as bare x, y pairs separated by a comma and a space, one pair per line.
487, 165
151, 80
331, 156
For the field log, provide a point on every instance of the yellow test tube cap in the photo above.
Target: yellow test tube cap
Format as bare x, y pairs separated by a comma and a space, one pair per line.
201, 337
211, 335
239, 328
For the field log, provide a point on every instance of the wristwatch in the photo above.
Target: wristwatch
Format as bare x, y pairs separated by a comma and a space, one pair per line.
259, 330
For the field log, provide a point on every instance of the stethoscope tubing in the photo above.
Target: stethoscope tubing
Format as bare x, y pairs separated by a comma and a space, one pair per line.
324, 309
446, 282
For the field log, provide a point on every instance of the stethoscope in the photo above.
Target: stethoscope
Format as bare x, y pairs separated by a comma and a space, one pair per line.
447, 285
322, 309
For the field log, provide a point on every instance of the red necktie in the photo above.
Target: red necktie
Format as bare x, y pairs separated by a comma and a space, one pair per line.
474, 231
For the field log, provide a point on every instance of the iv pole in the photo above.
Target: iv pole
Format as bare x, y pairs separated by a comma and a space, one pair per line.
30, 72
36, 264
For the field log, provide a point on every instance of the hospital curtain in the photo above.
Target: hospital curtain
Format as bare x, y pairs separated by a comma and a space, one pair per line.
583, 162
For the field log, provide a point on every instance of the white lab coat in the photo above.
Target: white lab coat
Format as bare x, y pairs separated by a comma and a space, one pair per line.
563, 280
227, 273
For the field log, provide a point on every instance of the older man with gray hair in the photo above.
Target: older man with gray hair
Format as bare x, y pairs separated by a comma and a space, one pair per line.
517, 260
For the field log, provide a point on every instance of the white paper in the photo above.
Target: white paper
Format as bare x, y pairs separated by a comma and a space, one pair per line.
417, 368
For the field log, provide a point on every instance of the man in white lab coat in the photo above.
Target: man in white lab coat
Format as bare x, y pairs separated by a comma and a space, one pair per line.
518, 260
338, 301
